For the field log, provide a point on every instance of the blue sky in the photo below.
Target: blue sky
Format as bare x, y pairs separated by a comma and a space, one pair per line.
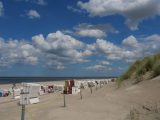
76, 37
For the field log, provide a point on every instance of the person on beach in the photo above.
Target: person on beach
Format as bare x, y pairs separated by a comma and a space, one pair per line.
13, 87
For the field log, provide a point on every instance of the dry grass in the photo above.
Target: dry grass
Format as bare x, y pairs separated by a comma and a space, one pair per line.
141, 67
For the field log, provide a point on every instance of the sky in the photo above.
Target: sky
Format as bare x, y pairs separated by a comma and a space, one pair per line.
76, 37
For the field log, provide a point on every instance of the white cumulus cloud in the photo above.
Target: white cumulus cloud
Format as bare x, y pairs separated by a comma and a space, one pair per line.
91, 33
41, 2
92, 30
106, 47
97, 30
130, 50
14, 51
133, 10
130, 41
154, 37
60, 49
32, 14
98, 68
105, 62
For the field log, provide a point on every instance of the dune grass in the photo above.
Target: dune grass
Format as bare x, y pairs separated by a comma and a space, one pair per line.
129, 72
156, 69
141, 67
156, 66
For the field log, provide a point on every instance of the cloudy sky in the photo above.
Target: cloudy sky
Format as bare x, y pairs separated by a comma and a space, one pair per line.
76, 37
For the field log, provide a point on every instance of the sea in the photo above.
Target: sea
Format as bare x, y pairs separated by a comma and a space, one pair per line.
11, 80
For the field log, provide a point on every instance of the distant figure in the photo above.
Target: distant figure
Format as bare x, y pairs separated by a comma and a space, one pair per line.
14, 86
81, 86
96, 82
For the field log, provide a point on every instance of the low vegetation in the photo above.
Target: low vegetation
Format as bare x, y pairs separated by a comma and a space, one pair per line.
138, 69
144, 112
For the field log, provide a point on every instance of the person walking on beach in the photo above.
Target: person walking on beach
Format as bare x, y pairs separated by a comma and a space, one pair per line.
13, 87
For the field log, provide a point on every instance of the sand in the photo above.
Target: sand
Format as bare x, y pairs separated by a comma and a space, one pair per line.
106, 103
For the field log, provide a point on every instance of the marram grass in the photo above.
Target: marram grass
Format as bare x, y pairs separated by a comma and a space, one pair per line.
141, 67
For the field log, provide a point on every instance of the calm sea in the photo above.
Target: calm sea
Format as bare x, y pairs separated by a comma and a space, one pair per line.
7, 80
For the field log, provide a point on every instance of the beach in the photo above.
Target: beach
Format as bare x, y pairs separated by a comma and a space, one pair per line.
105, 103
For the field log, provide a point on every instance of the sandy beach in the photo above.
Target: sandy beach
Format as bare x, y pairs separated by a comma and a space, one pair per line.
106, 103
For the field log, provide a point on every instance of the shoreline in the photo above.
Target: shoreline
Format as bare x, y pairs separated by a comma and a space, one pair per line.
61, 82
11, 80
